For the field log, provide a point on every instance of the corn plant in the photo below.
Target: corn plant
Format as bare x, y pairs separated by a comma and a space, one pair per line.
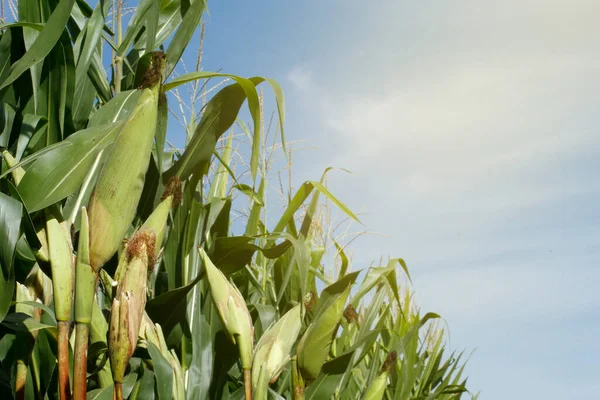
121, 272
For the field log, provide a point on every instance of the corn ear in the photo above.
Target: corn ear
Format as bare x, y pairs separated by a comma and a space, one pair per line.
273, 350
157, 221
232, 310
17, 173
128, 305
84, 274
315, 344
117, 193
60, 253
376, 389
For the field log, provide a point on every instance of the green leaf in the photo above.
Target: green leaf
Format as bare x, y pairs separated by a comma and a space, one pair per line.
168, 309
9, 118
151, 25
184, 33
5, 53
10, 223
374, 276
343, 257
163, 372
106, 393
44, 43
294, 205
134, 26
117, 109
248, 191
60, 172
34, 25
314, 346
128, 384
162, 120
220, 114
20, 322
280, 109
83, 97
145, 390
335, 289
32, 125
335, 200
36, 304
201, 367
168, 20
231, 254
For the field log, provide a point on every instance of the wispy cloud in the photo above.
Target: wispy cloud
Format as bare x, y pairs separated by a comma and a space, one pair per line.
301, 77
472, 132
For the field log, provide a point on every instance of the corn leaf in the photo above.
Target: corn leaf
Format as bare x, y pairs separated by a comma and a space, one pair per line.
10, 222
58, 173
44, 43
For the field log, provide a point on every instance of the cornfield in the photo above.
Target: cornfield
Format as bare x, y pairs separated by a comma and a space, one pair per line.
121, 273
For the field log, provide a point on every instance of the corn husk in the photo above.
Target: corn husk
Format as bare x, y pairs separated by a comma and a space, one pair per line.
232, 310
273, 349
315, 344
376, 389
117, 193
60, 253
128, 304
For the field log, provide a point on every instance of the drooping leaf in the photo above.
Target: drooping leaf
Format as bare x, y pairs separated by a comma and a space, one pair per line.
219, 115
58, 173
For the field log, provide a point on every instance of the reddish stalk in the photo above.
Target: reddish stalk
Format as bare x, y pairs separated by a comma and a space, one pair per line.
80, 367
248, 384
118, 391
64, 389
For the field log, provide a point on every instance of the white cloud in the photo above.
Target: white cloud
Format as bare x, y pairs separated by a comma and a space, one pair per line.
452, 131
507, 292
480, 123
301, 77
472, 131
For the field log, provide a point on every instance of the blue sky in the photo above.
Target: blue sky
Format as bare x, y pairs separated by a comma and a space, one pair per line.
471, 130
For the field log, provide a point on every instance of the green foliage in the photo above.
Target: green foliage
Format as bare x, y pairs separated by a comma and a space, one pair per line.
210, 292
